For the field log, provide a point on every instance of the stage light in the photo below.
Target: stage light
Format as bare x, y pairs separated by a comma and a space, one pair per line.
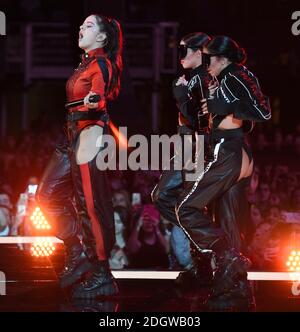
293, 262
42, 248
39, 220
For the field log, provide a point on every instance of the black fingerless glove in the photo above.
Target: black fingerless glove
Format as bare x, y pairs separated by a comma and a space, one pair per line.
180, 92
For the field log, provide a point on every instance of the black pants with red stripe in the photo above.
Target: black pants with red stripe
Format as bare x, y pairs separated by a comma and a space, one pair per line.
76, 198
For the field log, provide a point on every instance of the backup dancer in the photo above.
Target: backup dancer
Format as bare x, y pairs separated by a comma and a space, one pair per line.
234, 104
188, 91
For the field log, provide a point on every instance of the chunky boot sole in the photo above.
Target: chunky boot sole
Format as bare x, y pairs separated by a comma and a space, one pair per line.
92, 305
235, 270
239, 298
80, 271
106, 290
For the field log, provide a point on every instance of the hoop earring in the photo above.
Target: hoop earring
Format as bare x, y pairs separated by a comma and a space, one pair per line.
105, 42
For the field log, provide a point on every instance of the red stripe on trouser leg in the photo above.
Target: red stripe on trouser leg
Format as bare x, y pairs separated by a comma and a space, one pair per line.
88, 194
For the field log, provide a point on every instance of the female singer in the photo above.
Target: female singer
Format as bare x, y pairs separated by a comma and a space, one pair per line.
73, 193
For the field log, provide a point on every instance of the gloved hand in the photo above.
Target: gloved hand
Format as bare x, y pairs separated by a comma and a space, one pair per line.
180, 89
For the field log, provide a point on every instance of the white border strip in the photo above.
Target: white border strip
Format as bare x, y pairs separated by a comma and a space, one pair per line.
27, 239
167, 275
131, 274
171, 275
274, 276
259, 276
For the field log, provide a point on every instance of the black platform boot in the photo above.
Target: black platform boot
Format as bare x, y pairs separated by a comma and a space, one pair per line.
230, 287
239, 298
199, 273
76, 265
232, 266
100, 282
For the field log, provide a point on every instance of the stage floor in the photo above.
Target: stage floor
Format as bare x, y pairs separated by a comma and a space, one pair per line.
31, 285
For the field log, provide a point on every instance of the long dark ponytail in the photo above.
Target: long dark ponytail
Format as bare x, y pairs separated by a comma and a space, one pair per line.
113, 48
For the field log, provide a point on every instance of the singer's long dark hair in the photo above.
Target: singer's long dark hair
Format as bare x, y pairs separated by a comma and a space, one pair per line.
113, 48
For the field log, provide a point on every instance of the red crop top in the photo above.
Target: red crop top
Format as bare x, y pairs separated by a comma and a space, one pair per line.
88, 77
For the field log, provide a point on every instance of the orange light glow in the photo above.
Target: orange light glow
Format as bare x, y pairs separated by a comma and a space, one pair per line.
39, 220
123, 143
293, 262
42, 248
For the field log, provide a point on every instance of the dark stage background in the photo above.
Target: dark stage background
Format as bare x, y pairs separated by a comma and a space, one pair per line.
39, 52
263, 28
